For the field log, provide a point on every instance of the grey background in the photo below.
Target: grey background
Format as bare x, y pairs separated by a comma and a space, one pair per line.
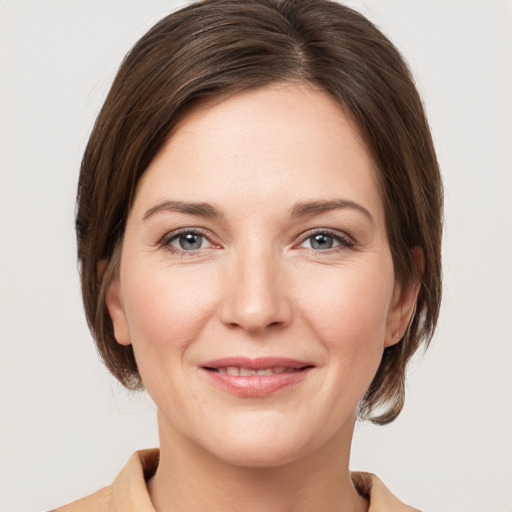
67, 429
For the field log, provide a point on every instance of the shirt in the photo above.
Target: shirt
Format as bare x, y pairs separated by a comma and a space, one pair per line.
129, 493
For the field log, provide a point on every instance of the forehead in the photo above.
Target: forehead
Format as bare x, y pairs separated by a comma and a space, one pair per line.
287, 142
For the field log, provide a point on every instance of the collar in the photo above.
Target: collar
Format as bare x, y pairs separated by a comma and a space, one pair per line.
130, 494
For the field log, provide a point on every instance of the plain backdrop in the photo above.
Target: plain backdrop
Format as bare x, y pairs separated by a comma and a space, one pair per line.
67, 428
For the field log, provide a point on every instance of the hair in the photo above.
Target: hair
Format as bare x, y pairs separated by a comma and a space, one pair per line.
214, 48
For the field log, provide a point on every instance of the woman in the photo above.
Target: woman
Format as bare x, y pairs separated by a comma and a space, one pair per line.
259, 227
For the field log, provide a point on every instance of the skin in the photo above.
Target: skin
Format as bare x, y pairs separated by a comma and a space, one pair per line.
258, 286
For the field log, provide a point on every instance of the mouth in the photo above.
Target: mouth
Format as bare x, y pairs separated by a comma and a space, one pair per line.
256, 377
247, 372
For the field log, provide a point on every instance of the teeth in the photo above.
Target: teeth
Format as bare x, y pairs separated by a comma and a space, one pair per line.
248, 372
268, 371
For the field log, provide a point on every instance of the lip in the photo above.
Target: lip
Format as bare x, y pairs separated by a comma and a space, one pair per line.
256, 385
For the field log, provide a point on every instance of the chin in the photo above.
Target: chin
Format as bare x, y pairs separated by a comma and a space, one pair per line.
250, 454
265, 446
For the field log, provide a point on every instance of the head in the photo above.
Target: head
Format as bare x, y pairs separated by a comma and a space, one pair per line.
213, 50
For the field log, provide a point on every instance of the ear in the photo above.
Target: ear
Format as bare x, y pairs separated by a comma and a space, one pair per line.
115, 306
404, 303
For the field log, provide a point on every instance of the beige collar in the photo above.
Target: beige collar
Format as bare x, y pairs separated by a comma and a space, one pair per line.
380, 497
129, 493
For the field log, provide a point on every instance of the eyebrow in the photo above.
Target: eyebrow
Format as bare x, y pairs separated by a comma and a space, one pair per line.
201, 209
306, 209
299, 209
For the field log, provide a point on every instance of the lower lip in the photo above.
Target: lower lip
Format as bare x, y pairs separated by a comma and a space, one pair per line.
255, 386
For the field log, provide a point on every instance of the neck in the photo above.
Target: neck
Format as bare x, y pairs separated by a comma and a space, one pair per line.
189, 479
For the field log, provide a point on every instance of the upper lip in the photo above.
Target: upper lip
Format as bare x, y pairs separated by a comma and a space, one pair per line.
258, 363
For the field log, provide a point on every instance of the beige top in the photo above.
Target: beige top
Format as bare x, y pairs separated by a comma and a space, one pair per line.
128, 492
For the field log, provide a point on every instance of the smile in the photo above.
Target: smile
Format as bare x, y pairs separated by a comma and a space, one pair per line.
246, 372
255, 377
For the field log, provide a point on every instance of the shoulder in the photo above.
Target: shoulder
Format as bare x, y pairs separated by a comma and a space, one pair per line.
100, 501
128, 492
380, 497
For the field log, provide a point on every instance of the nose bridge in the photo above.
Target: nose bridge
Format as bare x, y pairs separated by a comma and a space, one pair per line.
256, 295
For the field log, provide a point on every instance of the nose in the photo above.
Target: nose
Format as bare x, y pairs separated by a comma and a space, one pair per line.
256, 295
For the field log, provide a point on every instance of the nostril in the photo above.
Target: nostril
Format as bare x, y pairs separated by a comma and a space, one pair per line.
254, 312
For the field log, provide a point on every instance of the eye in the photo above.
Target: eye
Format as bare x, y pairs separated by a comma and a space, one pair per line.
186, 241
189, 241
325, 240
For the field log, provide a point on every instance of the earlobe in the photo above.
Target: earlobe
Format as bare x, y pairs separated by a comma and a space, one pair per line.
115, 307
404, 303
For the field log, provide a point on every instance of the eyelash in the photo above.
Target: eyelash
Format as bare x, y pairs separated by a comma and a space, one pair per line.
345, 242
167, 240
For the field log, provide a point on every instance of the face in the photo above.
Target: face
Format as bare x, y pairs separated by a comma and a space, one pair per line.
256, 282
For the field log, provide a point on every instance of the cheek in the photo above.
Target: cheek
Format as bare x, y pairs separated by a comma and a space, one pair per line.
165, 310
348, 309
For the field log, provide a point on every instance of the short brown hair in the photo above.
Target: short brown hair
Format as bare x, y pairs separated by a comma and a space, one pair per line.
219, 47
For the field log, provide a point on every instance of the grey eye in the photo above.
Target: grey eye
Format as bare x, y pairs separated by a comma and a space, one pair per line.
189, 241
321, 241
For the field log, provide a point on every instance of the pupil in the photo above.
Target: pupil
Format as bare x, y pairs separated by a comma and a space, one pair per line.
191, 241
322, 242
